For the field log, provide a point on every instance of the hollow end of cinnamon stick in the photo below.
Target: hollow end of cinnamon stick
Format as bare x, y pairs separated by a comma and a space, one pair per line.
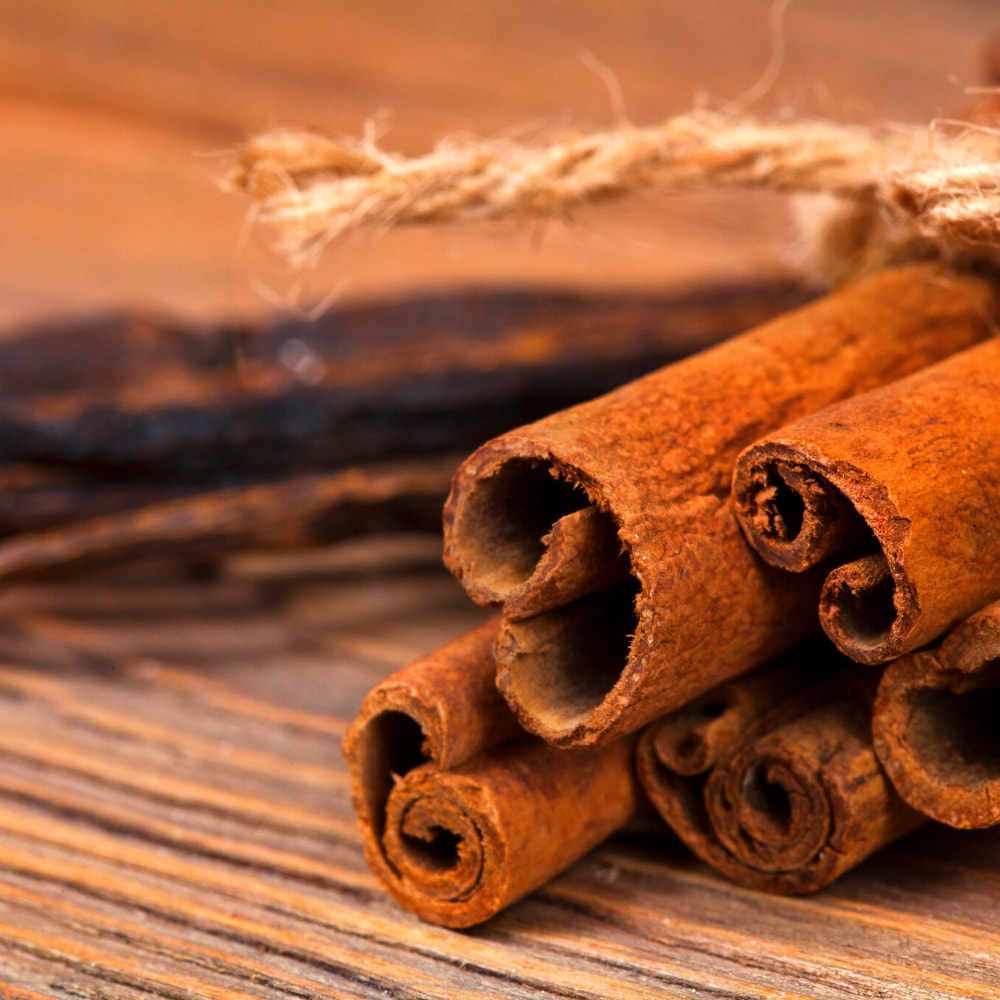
794, 797
467, 842
582, 555
898, 488
505, 525
800, 510
689, 742
772, 803
559, 668
534, 535
860, 612
460, 813
438, 713
652, 463
791, 513
935, 725
692, 739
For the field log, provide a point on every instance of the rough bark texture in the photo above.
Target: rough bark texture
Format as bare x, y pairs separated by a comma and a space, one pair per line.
655, 458
773, 783
902, 486
935, 725
460, 814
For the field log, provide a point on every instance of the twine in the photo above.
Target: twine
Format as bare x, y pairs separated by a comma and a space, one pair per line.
898, 191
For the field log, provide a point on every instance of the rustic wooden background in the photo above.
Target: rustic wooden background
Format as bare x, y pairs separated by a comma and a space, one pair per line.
111, 113
173, 809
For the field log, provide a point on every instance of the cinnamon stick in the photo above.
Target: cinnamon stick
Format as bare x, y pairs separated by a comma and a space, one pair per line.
460, 814
900, 487
772, 780
654, 460
935, 724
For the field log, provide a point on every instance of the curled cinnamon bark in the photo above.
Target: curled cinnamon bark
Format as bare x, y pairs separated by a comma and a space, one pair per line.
901, 486
653, 460
935, 724
775, 784
460, 814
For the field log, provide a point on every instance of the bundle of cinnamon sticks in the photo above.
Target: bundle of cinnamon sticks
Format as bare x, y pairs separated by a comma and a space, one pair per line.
666, 559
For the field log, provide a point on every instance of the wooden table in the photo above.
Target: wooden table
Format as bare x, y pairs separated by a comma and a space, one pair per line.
175, 821
174, 818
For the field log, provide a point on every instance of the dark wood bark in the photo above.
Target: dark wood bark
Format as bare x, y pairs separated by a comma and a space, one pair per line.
128, 395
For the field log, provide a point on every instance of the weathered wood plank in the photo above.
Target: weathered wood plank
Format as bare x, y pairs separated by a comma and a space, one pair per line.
174, 827
104, 116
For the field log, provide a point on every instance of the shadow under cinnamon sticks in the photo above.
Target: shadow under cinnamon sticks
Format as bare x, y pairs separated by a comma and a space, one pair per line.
772, 779
935, 724
461, 814
900, 489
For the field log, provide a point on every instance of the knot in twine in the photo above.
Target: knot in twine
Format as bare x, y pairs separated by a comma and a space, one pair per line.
897, 191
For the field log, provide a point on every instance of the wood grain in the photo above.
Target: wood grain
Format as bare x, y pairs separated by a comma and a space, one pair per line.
176, 822
110, 119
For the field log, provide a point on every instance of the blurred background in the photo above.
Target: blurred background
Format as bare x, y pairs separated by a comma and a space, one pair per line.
115, 117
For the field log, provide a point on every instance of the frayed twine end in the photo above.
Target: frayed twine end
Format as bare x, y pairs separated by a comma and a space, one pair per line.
880, 194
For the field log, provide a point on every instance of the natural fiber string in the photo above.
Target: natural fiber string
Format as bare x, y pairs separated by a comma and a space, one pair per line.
899, 187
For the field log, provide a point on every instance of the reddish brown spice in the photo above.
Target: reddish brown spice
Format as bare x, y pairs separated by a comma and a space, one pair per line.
653, 461
935, 724
901, 488
773, 783
460, 814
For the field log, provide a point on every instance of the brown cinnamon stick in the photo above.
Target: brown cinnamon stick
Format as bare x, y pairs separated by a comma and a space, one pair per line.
901, 488
460, 814
774, 783
935, 724
654, 459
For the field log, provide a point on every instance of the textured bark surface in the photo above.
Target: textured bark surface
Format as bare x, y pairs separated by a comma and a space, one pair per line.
460, 814
772, 779
655, 458
935, 724
901, 488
